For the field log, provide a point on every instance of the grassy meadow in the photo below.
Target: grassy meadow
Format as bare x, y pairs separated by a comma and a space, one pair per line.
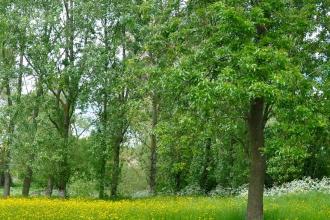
307, 206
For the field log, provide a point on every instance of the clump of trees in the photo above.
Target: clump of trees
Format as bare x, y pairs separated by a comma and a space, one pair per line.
177, 93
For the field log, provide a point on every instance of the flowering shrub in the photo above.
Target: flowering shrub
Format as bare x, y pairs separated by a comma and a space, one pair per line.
141, 194
191, 190
306, 184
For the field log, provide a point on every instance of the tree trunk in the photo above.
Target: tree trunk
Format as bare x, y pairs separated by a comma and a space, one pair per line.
2, 177
7, 183
102, 179
115, 167
11, 127
27, 182
50, 186
204, 181
64, 176
29, 172
177, 181
102, 168
153, 146
258, 162
104, 146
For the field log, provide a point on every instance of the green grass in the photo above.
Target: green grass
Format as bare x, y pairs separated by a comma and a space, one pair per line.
308, 206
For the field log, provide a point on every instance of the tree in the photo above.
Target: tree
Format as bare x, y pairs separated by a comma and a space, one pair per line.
243, 52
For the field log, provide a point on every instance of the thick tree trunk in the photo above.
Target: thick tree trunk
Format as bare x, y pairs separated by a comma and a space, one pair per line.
27, 182
50, 186
258, 162
153, 146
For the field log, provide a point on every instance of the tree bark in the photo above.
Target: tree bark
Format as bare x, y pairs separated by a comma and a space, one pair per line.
50, 186
104, 120
115, 166
121, 130
103, 156
256, 121
29, 172
27, 182
102, 178
11, 127
64, 174
7, 182
153, 146
204, 180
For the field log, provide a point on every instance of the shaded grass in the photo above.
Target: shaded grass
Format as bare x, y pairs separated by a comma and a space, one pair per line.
294, 206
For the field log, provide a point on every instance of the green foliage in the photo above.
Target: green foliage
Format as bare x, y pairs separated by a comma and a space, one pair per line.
103, 82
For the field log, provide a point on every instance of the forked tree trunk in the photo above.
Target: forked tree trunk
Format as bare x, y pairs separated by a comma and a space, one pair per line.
153, 146
258, 162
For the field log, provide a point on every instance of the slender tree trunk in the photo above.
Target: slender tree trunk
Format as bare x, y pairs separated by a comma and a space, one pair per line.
68, 105
115, 167
29, 172
102, 179
177, 179
258, 162
2, 177
104, 119
11, 127
102, 166
7, 182
50, 186
119, 137
204, 181
153, 146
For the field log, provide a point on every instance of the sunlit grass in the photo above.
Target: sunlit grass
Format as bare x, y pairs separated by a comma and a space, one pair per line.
296, 206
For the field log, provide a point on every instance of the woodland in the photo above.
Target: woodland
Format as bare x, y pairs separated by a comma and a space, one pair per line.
112, 98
